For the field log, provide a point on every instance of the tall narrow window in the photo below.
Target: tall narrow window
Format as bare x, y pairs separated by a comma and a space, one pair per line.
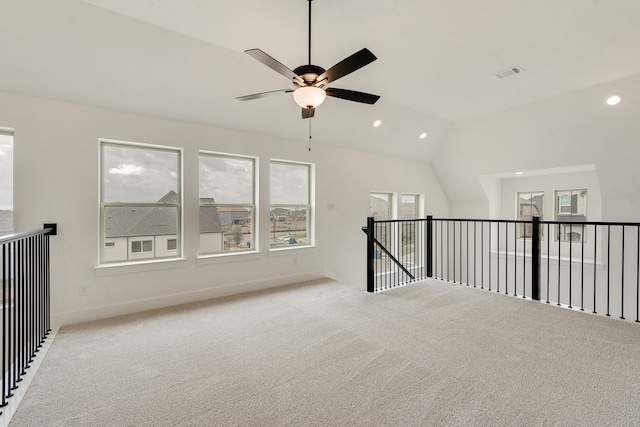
227, 203
530, 204
6, 182
140, 202
380, 206
571, 207
290, 208
409, 206
410, 237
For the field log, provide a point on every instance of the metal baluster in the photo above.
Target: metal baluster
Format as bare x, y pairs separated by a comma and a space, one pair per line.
448, 270
595, 252
5, 311
622, 280
441, 250
475, 255
481, 254
467, 222
570, 260
638, 276
498, 258
548, 259
460, 229
559, 252
524, 262
608, 264
515, 258
454, 252
489, 255
582, 270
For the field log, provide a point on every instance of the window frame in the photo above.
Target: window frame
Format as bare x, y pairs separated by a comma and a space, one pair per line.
253, 207
310, 208
103, 205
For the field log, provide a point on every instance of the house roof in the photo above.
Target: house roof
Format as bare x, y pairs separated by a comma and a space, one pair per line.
6, 221
155, 221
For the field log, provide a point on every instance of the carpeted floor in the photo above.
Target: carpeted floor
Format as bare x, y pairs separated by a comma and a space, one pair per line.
327, 354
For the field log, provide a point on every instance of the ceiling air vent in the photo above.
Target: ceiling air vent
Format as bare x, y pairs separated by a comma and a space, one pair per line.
509, 72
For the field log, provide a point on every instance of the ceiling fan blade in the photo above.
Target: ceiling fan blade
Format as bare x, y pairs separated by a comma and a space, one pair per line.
347, 66
352, 95
263, 94
307, 113
274, 64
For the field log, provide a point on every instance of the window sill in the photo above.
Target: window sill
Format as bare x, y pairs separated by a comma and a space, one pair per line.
227, 257
139, 266
275, 252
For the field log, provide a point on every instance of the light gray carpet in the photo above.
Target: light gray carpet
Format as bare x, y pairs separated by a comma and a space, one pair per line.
328, 354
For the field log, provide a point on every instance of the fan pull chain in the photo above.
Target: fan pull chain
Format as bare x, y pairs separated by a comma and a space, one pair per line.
309, 134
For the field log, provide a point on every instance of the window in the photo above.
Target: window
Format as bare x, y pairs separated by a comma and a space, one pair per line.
140, 201
530, 204
138, 246
6, 182
380, 206
172, 244
571, 206
409, 207
290, 209
227, 203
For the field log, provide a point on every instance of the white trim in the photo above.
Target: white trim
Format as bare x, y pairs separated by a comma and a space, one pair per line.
139, 266
94, 313
226, 257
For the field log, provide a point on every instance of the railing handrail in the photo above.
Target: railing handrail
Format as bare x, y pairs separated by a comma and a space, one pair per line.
520, 221
19, 236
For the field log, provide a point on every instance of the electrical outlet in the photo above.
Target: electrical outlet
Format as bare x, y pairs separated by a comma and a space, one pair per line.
84, 290
294, 262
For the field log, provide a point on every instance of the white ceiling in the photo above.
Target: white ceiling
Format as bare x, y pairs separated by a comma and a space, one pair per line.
436, 59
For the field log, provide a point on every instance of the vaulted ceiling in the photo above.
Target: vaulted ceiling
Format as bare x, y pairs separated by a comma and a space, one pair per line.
436, 66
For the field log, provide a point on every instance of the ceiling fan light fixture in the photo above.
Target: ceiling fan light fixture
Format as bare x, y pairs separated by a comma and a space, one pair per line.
309, 96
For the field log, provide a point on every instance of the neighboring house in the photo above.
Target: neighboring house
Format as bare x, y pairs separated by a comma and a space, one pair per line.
211, 233
379, 208
284, 215
233, 215
150, 232
280, 215
6, 221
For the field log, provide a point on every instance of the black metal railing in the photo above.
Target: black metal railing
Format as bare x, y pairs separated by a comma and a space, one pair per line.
397, 253
25, 316
590, 266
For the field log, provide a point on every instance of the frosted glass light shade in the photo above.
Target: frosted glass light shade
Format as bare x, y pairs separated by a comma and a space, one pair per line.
307, 96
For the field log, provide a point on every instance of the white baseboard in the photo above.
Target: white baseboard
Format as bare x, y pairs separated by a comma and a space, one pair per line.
129, 307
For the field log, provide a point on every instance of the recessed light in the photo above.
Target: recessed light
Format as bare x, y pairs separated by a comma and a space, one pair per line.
614, 100
423, 135
377, 123
519, 173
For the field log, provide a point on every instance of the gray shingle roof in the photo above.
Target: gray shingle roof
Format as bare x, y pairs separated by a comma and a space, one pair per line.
155, 221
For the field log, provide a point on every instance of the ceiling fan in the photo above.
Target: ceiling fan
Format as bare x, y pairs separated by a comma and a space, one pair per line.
310, 81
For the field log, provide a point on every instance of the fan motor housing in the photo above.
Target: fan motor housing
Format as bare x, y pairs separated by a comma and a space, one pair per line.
309, 73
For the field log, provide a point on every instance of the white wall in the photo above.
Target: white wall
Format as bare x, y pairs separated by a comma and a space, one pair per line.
56, 180
575, 128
